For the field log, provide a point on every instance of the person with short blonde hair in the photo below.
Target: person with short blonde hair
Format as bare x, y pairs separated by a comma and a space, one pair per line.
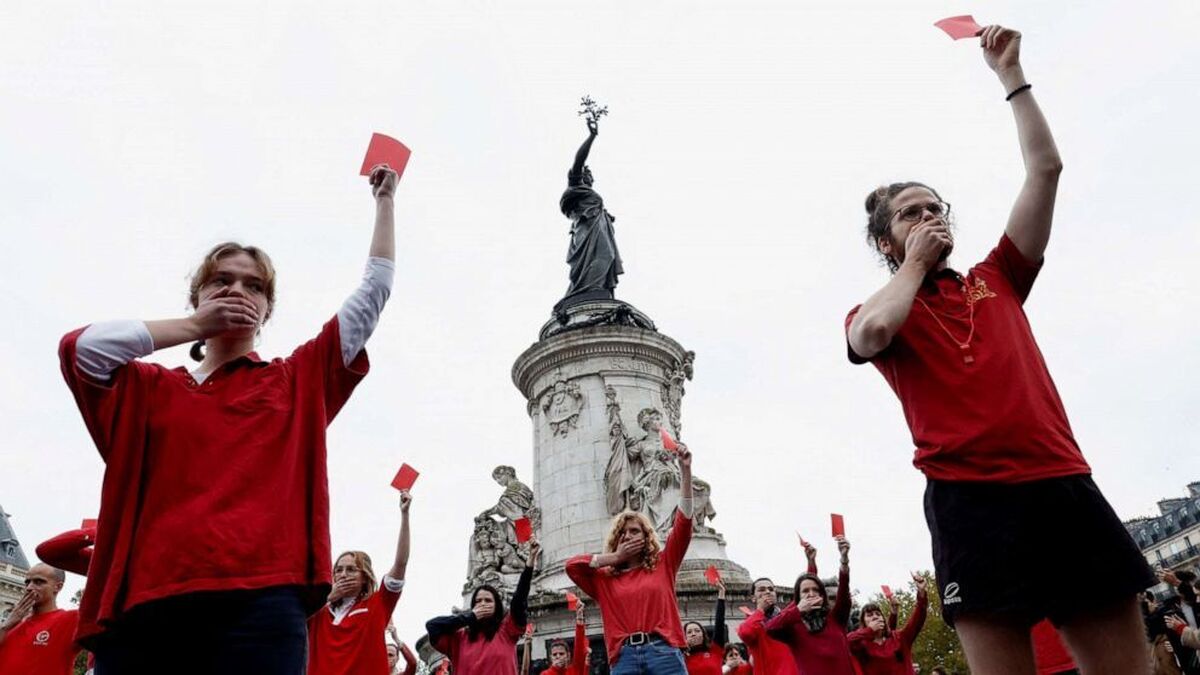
633, 583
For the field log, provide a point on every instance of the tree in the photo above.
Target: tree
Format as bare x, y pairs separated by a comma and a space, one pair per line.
938, 644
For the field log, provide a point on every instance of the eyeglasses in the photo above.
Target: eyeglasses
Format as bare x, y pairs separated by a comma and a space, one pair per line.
914, 212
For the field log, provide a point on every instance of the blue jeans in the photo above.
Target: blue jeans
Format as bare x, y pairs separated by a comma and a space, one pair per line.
652, 658
259, 632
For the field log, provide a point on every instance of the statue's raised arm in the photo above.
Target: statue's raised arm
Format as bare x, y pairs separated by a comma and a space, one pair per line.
585, 149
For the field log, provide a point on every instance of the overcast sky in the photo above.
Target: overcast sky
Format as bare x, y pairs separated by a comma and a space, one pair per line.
742, 140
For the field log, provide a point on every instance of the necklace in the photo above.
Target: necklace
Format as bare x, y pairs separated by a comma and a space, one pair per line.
964, 346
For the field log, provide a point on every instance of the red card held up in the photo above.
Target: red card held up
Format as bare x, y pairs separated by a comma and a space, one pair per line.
572, 601
960, 27
385, 150
746, 611
839, 524
712, 575
89, 524
887, 592
668, 442
405, 478
524, 529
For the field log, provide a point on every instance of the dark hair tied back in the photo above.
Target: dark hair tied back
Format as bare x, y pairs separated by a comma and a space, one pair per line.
879, 215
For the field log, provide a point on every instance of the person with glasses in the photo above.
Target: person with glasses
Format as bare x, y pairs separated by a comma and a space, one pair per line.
1008, 488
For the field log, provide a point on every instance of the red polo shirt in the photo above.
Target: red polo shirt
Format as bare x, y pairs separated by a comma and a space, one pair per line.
42, 644
638, 600
213, 486
768, 655
355, 646
999, 418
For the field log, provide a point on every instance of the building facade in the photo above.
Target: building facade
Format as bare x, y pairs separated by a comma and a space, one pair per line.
13, 566
1171, 539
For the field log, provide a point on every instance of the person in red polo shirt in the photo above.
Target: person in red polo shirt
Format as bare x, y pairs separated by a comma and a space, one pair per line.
214, 511
705, 655
38, 638
565, 661
813, 631
633, 583
1008, 489
346, 637
483, 639
878, 647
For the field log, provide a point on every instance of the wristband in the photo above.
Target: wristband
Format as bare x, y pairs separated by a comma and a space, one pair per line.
1014, 92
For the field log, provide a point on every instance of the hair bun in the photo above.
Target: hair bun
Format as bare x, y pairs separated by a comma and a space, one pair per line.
197, 351
874, 197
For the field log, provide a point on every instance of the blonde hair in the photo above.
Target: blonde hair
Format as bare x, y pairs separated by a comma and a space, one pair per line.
208, 267
653, 546
363, 562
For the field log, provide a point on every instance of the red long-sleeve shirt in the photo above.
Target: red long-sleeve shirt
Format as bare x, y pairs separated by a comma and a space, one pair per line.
637, 600
825, 652
578, 664
877, 657
770, 656
70, 551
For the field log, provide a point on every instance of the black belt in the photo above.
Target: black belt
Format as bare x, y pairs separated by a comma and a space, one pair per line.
638, 639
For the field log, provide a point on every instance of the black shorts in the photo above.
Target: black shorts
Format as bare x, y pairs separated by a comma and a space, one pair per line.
1028, 551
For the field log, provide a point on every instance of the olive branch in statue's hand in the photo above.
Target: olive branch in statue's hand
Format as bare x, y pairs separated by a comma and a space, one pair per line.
593, 112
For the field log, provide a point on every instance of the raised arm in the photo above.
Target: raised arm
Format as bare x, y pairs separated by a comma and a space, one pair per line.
383, 187
580, 656
410, 659
720, 630
916, 621
581, 155
400, 562
1029, 223
519, 611
841, 605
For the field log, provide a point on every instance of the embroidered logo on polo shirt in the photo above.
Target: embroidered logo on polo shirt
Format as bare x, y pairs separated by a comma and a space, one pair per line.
977, 292
950, 594
42, 639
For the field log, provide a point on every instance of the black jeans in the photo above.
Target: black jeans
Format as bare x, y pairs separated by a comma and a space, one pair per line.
259, 632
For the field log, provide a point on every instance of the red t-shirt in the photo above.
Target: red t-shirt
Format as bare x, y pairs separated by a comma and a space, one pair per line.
213, 486
639, 600
42, 644
579, 660
1049, 652
497, 656
999, 418
768, 655
879, 658
356, 645
706, 661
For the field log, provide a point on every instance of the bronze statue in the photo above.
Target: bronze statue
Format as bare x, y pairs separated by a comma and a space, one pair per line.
592, 254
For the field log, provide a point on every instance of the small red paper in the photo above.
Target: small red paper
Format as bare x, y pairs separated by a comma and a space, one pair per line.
405, 478
712, 575
839, 524
887, 592
572, 601
803, 544
746, 611
960, 27
385, 150
668, 442
524, 529
89, 524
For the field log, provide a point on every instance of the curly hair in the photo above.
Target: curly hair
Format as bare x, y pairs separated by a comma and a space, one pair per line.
653, 546
363, 562
879, 216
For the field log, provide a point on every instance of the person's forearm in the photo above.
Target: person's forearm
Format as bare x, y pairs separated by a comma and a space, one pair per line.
1037, 143
685, 483
882, 315
400, 564
606, 559
582, 154
521, 598
383, 241
171, 332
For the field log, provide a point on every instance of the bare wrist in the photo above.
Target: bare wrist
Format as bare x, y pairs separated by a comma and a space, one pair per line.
1011, 78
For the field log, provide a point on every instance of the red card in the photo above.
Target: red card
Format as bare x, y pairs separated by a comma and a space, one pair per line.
746, 611
712, 575
803, 544
960, 27
668, 442
89, 524
524, 529
887, 592
839, 524
385, 150
405, 478
572, 601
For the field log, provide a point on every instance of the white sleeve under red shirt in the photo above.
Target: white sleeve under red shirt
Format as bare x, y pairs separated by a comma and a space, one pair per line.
638, 600
351, 641
225, 479
42, 644
998, 418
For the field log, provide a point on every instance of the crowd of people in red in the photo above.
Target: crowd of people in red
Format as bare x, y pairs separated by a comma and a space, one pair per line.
211, 554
